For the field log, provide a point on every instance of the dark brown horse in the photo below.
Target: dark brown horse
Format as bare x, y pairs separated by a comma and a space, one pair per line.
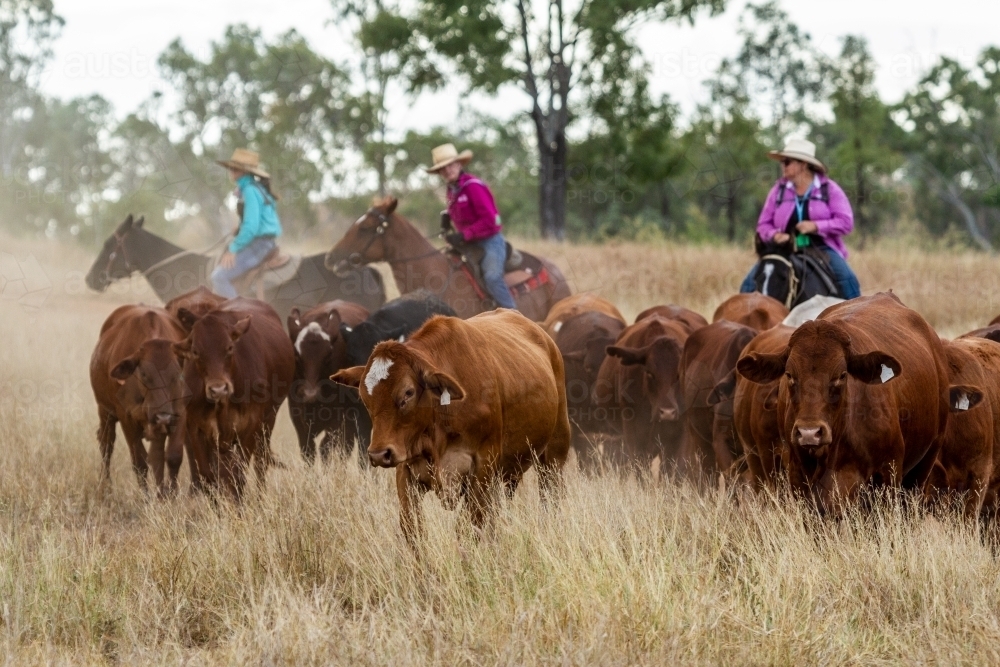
381, 235
172, 271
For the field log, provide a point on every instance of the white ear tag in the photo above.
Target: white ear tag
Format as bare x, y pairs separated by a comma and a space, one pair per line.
557, 327
445, 397
887, 374
402, 339
963, 403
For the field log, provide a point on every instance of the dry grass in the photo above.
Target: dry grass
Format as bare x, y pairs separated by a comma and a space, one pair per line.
623, 571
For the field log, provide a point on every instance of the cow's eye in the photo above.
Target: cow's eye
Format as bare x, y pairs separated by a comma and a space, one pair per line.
407, 395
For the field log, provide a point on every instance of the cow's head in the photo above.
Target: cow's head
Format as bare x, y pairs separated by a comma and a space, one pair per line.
814, 369
209, 350
409, 401
319, 351
152, 378
362, 338
660, 363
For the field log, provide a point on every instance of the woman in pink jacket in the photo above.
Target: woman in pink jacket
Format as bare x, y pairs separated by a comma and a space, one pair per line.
474, 215
807, 202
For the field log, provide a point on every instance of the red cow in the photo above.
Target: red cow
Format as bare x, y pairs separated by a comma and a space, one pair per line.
755, 310
316, 403
638, 388
583, 340
755, 415
864, 398
690, 320
137, 381
585, 302
239, 365
462, 405
708, 379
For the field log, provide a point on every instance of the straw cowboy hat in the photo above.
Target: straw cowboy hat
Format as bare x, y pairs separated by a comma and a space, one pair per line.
799, 149
245, 160
444, 155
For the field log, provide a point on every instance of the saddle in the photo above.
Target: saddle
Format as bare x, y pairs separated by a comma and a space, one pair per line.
277, 268
523, 272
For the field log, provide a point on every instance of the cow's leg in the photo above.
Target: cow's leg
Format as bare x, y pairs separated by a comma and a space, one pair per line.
157, 453
262, 452
410, 490
551, 461
174, 457
307, 444
133, 436
106, 439
232, 469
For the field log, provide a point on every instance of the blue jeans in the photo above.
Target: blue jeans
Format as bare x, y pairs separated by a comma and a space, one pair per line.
847, 282
249, 258
494, 259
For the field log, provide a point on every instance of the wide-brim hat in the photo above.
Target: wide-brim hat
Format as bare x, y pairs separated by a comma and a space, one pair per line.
799, 149
245, 160
444, 155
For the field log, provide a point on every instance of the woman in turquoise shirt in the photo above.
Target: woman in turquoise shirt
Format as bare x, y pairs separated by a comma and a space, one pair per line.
259, 226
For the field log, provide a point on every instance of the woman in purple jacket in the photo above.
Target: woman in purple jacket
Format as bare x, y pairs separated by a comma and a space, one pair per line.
474, 215
806, 202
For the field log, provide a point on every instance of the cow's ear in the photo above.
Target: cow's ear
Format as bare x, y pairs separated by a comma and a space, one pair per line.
240, 328
187, 318
349, 376
993, 335
962, 398
724, 390
124, 369
332, 325
294, 323
873, 367
183, 348
445, 387
630, 356
763, 368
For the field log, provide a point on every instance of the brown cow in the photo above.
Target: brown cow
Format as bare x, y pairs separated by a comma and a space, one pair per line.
137, 381
583, 340
464, 404
638, 389
318, 405
755, 415
690, 320
965, 462
708, 379
199, 301
239, 365
863, 397
755, 310
585, 302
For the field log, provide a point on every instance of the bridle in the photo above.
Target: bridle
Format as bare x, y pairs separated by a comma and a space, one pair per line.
377, 232
119, 246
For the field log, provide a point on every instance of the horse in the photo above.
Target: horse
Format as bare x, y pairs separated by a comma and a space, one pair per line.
172, 271
382, 235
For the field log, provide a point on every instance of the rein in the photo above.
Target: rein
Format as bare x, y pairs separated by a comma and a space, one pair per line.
379, 231
177, 255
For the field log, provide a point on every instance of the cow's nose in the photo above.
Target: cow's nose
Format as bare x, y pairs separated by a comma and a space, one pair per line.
809, 436
310, 394
667, 415
381, 458
217, 391
164, 419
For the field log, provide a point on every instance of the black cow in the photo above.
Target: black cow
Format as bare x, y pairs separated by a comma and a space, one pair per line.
398, 318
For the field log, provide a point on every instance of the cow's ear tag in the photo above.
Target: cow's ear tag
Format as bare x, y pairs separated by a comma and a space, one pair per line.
445, 397
963, 402
402, 338
887, 374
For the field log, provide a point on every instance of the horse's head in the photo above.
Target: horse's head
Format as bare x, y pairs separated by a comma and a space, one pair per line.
114, 261
364, 242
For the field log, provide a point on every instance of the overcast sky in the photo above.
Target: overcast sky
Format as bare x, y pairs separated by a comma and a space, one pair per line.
110, 46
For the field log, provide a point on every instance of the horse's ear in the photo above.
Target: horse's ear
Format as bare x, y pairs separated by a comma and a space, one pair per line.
391, 205
138, 223
128, 222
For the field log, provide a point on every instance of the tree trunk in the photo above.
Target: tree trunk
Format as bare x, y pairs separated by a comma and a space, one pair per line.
951, 195
551, 180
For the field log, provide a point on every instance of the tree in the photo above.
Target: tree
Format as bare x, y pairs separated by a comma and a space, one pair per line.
778, 70
860, 141
952, 126
547, 49
390, 55
281, 99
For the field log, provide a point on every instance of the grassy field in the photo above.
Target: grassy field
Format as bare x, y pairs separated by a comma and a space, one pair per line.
314, 570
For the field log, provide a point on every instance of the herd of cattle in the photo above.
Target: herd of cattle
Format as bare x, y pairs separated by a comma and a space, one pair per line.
832, 398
